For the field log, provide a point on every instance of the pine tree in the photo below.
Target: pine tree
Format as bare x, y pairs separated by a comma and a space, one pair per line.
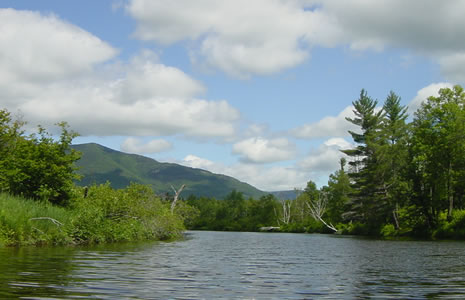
391, 152
363, 161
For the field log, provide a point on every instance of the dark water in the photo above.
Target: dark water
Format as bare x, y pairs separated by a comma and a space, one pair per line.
213, 265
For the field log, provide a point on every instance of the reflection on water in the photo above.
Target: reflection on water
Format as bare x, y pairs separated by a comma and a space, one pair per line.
212, 265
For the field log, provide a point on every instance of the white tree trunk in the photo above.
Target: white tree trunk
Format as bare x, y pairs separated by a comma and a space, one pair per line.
317, 209
176, 196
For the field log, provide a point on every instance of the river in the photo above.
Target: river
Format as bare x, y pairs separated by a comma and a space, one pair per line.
232, 265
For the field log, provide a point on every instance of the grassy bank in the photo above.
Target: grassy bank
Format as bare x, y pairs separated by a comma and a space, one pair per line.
102, 215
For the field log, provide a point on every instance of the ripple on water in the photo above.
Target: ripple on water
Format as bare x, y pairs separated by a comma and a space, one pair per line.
222, 265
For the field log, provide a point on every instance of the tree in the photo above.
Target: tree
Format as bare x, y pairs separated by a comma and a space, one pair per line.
437, 147
338, 192
36, 166
363, 205
391, 156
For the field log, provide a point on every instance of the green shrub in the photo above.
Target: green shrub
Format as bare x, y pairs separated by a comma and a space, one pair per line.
454, 228
36, 166
134, 213
105, 215
388, 230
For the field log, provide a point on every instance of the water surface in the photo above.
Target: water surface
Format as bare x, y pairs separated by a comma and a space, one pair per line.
231, 265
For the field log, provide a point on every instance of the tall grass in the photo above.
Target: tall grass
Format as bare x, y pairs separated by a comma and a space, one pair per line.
103, 215
25, 222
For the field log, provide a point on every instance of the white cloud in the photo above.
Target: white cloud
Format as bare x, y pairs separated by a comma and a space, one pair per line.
399, 23
425, 93
261, 37
200, 163
325, 159
57, 71
239, 37
147, 79
40, 48
261, 150
260, 176
426, 27
453, 66
133, 145
327, 127
315, 166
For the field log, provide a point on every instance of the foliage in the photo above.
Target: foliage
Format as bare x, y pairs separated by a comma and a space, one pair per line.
109, 215
404, 179
234, 213
451, 228
36, 166
20, 223
104, 215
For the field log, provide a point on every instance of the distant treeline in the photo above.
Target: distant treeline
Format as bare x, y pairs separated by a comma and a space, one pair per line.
404, 177
401, 178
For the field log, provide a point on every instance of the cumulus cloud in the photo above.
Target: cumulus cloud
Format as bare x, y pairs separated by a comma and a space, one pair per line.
238, 37
57, 71
133, 145
147, 79
315, 166
201, 163
425, 93
261, 150
262, 177
243, 37
396, 23
327, 127
41, 48
325, 159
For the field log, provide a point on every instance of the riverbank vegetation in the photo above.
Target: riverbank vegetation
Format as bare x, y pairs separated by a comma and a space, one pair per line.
405, 176
39, 204
400, 179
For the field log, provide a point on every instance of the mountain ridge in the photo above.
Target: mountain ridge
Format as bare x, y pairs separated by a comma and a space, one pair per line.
100, 164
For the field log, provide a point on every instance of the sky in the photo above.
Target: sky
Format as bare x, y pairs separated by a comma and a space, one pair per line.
258, 90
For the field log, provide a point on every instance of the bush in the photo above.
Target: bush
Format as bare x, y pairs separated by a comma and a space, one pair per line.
453, 229
388, 230
105, 215
36, 166
109, 215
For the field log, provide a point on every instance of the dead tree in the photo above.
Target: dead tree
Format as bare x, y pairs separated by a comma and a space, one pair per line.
286, 217
176, 196
317, 209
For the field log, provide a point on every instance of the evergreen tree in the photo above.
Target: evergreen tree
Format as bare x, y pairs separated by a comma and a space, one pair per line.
338, 193
362, 160
391, 156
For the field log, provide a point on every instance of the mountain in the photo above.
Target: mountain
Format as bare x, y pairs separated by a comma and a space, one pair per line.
99, 164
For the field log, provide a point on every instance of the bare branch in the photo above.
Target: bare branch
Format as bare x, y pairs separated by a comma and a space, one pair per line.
176, 196
317, 210
58, 223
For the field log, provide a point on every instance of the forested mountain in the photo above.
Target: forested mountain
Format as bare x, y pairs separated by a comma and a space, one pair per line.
100, 164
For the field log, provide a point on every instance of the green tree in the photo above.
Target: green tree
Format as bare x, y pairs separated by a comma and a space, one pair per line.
338, 191
391, 156
362, 160
36, 166
437, 147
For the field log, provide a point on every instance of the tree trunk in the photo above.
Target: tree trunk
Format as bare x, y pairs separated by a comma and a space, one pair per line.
176, 196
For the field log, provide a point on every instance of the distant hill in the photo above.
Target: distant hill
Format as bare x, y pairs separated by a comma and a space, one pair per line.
100, 164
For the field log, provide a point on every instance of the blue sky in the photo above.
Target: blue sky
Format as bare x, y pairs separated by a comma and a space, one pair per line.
257, 90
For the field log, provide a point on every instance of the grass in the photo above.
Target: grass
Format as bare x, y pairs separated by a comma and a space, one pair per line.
105, 215
27, 222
